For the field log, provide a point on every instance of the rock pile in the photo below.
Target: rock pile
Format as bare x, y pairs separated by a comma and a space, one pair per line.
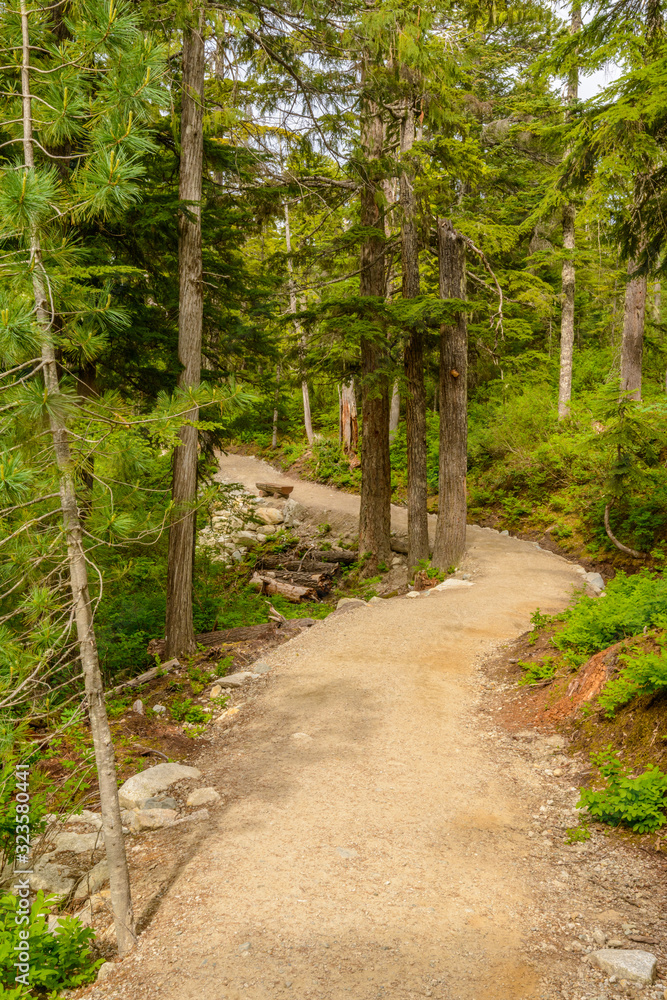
244, 521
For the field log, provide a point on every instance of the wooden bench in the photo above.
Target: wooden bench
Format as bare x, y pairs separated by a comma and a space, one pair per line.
274, 490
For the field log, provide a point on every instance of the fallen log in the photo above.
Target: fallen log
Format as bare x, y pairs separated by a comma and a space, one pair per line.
335, 555
290, 563
242, 633
321, 581
269, 585
144, 678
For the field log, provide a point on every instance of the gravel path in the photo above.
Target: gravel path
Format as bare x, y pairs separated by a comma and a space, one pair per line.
378, 839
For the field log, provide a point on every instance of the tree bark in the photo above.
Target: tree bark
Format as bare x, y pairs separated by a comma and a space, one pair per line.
394, 412
632, 344
450, 533
349, 427
179, 628
568, 271
119, 879
307, 421
274, 435
415, 402
375, 508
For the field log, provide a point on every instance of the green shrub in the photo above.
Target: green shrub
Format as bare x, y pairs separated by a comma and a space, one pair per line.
631, 604
638, 803
185, 711
58, 961
643, 673
537, 671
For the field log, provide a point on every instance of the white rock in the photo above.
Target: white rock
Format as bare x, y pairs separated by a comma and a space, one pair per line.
93, 881
144, 785
51, 879
197, 817
85, 914
413, 593
636, 966
261, 538
159, 709
78, 843
269, 515
453, 584
595, 580
138, 706
86, 818
268, 529
216, 691
234, 680
349, 600
203, 797
260, 667
376, 600
248, 539
238, 555
105, 971
302, 737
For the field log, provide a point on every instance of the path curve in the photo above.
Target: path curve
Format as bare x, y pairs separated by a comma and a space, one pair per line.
377, 846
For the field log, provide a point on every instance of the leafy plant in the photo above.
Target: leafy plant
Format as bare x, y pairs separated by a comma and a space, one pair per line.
185, 711
58, 961
536, 671
644, 672
638, 803
578, 834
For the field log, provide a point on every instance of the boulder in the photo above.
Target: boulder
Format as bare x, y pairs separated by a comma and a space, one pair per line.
78, 843
248, 539
138, 706
203, 797
234, 680
105, 971
93, 881
350, 601
161, 802
595, 580
216, 691
269, 515
152, 819
197, 817
146, 784
625, 963
51, 879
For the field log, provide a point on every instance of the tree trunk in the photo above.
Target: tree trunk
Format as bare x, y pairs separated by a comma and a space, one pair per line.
415, 401
349, 428
179, 628
274, 435
633, 334
450, 533
568, 270
656, 302
119, 879
375, 508
394, 412
307, 422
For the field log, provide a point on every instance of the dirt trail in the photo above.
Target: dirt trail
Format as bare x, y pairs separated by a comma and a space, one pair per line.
377, 841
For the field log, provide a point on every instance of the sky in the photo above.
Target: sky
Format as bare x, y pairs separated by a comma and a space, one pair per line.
591, 85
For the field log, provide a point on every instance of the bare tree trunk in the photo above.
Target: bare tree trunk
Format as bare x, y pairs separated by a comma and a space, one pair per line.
394, 412
656, 302
568, 270
415, 401
297, 327
179, 629
450, 532
632, 344
274, 436
119, 879
375, 509
349, 428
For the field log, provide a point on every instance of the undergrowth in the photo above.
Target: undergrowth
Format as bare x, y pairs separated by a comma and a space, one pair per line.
638, 803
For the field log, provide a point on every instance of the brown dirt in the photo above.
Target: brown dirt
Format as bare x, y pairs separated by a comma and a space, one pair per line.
378, 834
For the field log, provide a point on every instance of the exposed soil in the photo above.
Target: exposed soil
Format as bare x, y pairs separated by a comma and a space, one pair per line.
383, 833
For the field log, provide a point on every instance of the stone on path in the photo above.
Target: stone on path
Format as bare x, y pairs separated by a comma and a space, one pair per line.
140, 787
203, 797
350, 601
152, 819
635, 966
234, 680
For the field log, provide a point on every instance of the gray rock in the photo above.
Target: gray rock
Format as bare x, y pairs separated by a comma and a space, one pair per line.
203, 797
294, 513
159, 710
196, 817
234, 680
376, 600
105, 971
51, 879
93, 881
595, 581
635, 966
161, 802
268, 529
260, 667
144, 785
238, 555
505, 532
599, 936
350, 601
138, 706
85, 818
152, 819
270, 515
246, 538
78, 843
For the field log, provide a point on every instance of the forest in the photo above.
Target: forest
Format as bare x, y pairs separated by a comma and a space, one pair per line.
387, 245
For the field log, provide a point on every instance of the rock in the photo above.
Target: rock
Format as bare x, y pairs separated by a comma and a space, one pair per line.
152, 819
144, 785
159, 709
197, 817
350, 600
93, 881
293, 513
413, 593
245, 946
203, 797
615, 943
268, 529
105, 971
505, 532
234, 680
261, 537
635, 966
238, 555
85, 817
376, 600
269, 515
51, 879
246, 538
78, 843
216, 691
260, 667
453, 584
599, 936
85, 914
162, 802
138, 706
595, 580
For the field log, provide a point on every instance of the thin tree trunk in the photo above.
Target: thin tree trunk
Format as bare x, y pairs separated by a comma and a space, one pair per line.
375, 509
119, 879
274, 436
307, 422
632, 344
179, 628
349, 428
394, 412
568, 270
656, 302
450, 532
415, 400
